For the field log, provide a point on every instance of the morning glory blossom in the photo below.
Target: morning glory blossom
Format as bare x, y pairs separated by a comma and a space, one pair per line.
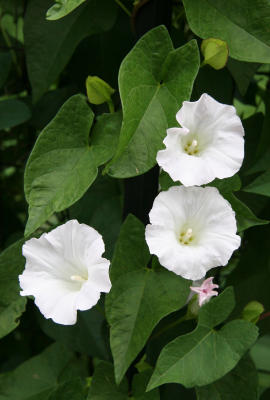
208, 145
192, 230
205, 291
65, 271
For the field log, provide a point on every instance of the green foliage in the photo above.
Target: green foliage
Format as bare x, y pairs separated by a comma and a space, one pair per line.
12, 305
206, 347
62, 8
142, 334
50, 44
154, 79
133, 307
239, 384
59, 172
38, 377
230, 21
13, 112
103, 386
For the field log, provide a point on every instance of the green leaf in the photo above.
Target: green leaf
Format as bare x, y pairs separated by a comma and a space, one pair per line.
260, 353
139, 385
13, 112
154, 80
12, 305
126, 257
227, 185
242, 72
216, 351
73, 389
101, 207
103, 386
260, 185
230, 21
98, 91
239, 384
215, 52
37, 376
62, 8
5, 65
88, 336
59, 172
139, 298
50, 44
244, 216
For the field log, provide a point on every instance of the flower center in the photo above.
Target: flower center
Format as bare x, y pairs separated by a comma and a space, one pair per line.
186, 236
191, 147
78, 278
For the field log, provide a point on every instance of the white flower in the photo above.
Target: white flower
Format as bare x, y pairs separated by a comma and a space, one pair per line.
192, 230
65, 272
209, 145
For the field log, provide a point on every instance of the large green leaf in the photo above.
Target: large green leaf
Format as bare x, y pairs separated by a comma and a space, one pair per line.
216, 352
154, 80
62, 8
12, 305
239, 384
37, 377
140, 297
103, 386
231, 21
13, 112
62, 164
50, 44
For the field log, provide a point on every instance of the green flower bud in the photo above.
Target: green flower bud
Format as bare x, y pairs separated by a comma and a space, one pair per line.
252, 311
98, 91
215, 52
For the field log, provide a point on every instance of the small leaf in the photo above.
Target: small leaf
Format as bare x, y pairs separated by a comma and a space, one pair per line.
215, 52
13, 112
5, 65
98, 91
252, 311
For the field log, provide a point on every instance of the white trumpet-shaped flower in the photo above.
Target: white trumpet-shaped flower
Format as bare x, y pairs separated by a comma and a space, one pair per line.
192, 230
209, 144
65, 271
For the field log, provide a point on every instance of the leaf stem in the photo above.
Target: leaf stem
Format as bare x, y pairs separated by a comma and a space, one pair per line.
265, 315
111, 106
124, 8
171, 325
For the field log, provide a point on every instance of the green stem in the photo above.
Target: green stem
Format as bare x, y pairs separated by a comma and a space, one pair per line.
111, 106
172, 325
9, 45
124, 8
